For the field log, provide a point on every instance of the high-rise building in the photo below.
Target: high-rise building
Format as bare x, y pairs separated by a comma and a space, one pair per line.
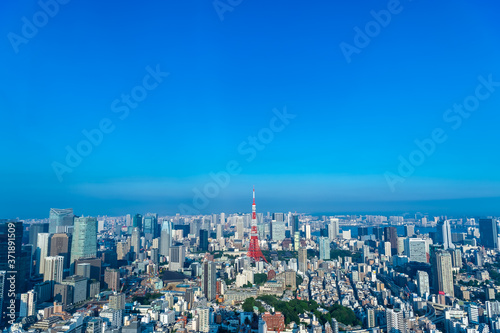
422, 283
79, 287
379, 233
150, 223
443, 234
208, 280
239, 228
333, 228
324, 248
442, 272
395, 321
117, 301
137, 221
165, 238
456, 257
415, 249
409, 230
34, 230
391, 235
220, 234
84, 242
60, 245
370, 318
387, 249
489, 233
308, 231
83, 269
362, 231
135, 242
53, 270
203, 319
278, 230
42, 251
204, 240
112, 279
176, 258
295, 224
60, 220
27, 306
303, 259
63, 293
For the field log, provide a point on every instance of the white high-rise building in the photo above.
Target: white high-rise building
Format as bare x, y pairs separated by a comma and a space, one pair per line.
176, 258
42, 251
324, 248
27, 306
333, 228
395, 321
443, 232
308, 231
165, 238
203, 317
415, 249
54, 267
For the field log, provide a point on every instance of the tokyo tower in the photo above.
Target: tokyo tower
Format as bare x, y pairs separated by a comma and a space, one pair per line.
254, 248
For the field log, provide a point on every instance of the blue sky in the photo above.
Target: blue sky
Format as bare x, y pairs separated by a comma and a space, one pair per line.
353, 120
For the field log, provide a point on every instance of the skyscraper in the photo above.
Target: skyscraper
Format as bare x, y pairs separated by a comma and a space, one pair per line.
176, 258
84, 243
112, 279
60, 219
208, 281
137, 221
53, 269
278, 230
333, 228
324, 248
135, 242
165, 238
34, 230
442, 271
391, 235
489, 233
422, 283
303, 259
409, 230
295, 224
42, 251
27, 306
60, 245
203, 240
150, 223
443, 233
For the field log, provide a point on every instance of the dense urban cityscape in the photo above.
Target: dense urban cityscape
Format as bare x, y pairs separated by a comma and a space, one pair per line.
255, 272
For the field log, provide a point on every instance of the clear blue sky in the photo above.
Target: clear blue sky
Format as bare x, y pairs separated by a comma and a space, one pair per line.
353, 120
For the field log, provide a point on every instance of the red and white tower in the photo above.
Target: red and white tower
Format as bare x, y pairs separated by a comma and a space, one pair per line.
254, 248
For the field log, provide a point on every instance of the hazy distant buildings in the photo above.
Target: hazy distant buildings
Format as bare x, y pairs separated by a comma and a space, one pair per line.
443, 233
333, 228
60, 220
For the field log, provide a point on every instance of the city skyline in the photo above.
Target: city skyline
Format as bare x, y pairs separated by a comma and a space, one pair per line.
335, 128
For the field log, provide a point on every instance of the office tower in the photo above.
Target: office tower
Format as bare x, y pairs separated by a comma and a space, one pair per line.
303, 259
203, 319
239, 228
112, 279
137, 221
333, 228
308, 231
379, 233
60, 245
122, 250
278, 230
63, 293
443, 234
84, 242
165, 238
415, 249
155, 256
409, 230
324, 248
472, 313
362, 231
387, 249
27, 305
60, 220
42, 250
176, 258
25, 266
366, 253
53, 270
150, 223
204, 240
422, 283
456, 257
254, 250
135, 242
95, 267
79, 284
395, 321
391, 235
117, 301
442, 272
208, 280
34, 230
279, 217
401, 246
83, 269
220, 232
295, 224
489, 233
